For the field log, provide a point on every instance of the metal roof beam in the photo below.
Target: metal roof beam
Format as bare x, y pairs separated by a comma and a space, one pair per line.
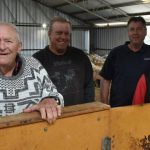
114, 6
65, 4
86, 10
122, 16
116, 9
42, 3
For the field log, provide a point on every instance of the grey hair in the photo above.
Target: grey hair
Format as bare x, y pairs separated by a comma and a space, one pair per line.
13, 27
58, 19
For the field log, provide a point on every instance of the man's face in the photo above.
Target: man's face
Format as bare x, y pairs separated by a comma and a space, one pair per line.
136, 33
9, 46
60, 37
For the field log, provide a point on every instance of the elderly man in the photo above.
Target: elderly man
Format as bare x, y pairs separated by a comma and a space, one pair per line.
24, 83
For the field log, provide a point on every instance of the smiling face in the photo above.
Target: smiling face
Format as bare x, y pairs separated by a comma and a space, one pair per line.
9, 46
60, 37
136, 32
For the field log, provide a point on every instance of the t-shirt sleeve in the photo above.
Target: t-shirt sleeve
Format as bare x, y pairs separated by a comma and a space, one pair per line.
140, 91
89, 83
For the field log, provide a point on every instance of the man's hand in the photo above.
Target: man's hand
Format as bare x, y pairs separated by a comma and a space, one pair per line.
48, 108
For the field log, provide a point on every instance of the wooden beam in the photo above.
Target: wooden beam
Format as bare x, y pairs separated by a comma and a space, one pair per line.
69, 111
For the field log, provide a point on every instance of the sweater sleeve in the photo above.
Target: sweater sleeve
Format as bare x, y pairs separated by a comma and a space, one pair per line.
140, 91
49, 88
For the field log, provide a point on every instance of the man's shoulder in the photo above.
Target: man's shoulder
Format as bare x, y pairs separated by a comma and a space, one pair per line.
41, 52
29, 60
118, 50
76, 51
74, 48
120, 47
146, 46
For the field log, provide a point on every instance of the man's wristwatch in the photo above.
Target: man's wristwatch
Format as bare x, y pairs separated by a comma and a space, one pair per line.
56, 99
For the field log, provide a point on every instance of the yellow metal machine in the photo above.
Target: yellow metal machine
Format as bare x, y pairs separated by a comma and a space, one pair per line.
92, 126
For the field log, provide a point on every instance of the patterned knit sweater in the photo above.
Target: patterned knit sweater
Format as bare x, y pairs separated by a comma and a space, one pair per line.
27, 88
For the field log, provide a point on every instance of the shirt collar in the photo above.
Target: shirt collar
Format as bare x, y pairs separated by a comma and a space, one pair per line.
140, 51
18, 65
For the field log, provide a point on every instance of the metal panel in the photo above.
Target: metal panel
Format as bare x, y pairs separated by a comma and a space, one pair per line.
28, 16
33, 38
119, 1
84, 127
108, 38
141, 8
6, 11
104, 39
80, 39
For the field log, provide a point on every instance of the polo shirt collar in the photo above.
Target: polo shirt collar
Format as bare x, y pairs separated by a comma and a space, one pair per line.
140, 51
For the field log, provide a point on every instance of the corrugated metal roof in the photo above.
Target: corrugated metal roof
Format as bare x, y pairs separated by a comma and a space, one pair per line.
93, 11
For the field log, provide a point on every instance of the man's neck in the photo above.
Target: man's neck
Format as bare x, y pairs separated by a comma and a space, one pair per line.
135, 47
56, 52
7, 71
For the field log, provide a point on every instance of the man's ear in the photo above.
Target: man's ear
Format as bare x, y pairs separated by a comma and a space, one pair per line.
49, 33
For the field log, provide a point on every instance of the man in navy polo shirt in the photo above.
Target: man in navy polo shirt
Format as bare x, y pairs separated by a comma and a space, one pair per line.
124, 65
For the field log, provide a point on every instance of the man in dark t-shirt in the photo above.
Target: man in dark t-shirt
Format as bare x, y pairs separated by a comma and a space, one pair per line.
69, 68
